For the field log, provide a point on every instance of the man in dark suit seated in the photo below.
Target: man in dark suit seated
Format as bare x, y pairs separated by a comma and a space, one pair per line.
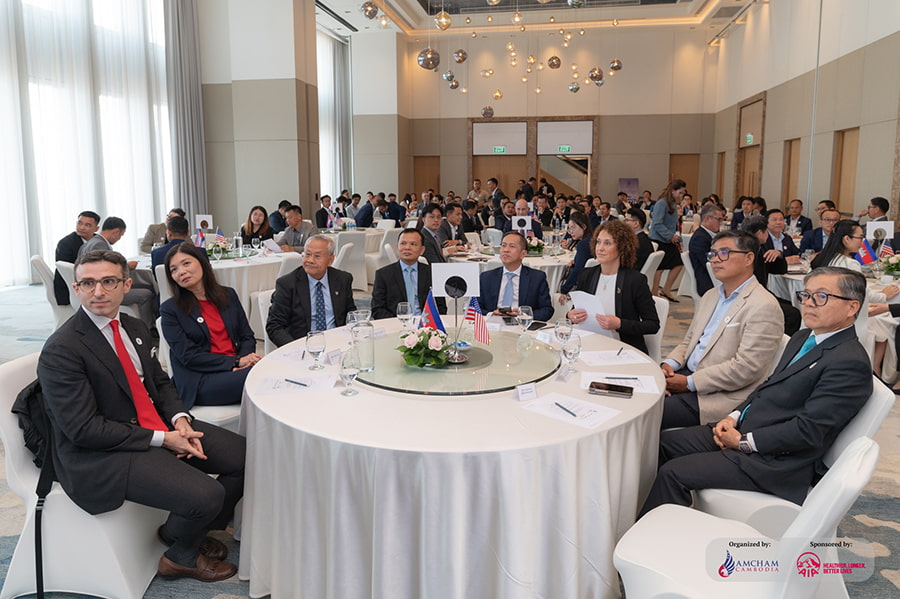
435, 251
323, 214
795, 221
314, 297
406, 280
514, 284
451, 232
769, 262
815, 240
774, 441
121, 432
176, 233
507, 211
396, 211
777, 240
534, 227
67, 250
711, 217
471, 223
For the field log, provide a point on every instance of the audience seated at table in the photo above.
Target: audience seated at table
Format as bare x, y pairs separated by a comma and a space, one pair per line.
67, 251
297, 232
534, 227
451, 232
314, 297
396, 212
157, 233
406, 280
212, 346
365, 216
637, 220
794, 221
730, 343
435, 251
771, 262
623, 291
777, 239
514, 284
775, 439
507, 211
579, 238
471, 222
711, 218
744, 209
256, 227
664, 231
276, 219
176, 234
324, 214
815, 239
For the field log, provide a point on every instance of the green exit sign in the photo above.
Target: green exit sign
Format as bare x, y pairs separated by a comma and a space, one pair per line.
564, 149
749, 139
499, 149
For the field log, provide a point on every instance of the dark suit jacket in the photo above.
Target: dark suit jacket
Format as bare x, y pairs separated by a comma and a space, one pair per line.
389, 290
582, 255
544, 216
290, 315
365, 215
796, 414
444, 233
396, 212
158, 256
322, 218
497, 197
805, 223
94, 420
433, 251
500, 221
787, 243
634, 304
644, 249
533, 291
471, 224
535, 228
188, 338
701, 242
812, 240
67, 251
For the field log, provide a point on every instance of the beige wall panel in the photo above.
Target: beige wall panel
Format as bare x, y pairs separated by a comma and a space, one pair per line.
772, 171
221, 188
881, 80
823, 161
650, 170
728, 196
374, 172
726, 121
708, 136
218, 112
404, 156
266, 172
686, 133
310, 183
827, 98
302, 109
312, 108
849, 90
875, 161
453, 174
265, 109
425, 136
375, 134
454, 137
707, 183
635, 134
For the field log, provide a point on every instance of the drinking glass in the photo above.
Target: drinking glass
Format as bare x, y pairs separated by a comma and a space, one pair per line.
255, 243
525, 317
571, 349
217, 253
315, 345
563, 330
349, 371
405, 314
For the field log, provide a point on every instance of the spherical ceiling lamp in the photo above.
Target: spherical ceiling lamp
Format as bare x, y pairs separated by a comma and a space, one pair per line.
487, 112
448, 76
615, 65
537, 90
460, 56
576, 4
596, 74
517, 18
474, 35
454, 84
490, 19
468, 20
443, 20
553, 19
522, 28
531, 59
383, 21
429, 59
599, 83
553, 62
369, 9
510, 46
464, 90
493, 2
497, 94
543, 1
574, 87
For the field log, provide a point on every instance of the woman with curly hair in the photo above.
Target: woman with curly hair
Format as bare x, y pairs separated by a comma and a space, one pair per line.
623, 291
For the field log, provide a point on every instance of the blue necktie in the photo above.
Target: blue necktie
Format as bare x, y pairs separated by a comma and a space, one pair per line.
320, 307
804, 349
412, 287
508, 292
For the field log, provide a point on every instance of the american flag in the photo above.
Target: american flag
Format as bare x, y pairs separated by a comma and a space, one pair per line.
886, 249
220, 237
473, 314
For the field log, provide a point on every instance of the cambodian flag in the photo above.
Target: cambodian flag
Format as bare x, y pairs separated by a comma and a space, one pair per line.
866, 254
200, 241
431, 318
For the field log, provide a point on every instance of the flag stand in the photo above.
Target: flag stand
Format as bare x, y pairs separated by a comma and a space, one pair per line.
454, 356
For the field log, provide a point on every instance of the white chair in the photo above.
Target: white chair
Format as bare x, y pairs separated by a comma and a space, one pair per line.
290, 262
664, 555
386, 223
688, 285
772, 515
591, 262
60, 313
651, 265
376, 261
781, 345
162, 283
264, 302
474, 239
494, 236
355, 261
654, 341
341, 259
390, 253
67, 272
227, 417
411, 223
712, 275
117, 552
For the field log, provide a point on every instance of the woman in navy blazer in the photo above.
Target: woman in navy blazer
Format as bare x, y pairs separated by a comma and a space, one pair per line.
212, 344
580, 231
635, 313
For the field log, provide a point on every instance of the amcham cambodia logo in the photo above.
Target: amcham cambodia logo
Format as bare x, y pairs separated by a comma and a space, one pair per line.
727, 567
808, 564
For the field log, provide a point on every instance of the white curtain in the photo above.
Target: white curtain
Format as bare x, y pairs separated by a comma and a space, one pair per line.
84, 119
335, 149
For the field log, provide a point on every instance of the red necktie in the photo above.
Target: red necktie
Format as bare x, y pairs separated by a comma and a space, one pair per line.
147, 415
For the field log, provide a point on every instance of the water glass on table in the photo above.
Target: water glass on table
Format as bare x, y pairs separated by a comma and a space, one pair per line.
525, 317
571, 349
406, 315
349, 371
315, 345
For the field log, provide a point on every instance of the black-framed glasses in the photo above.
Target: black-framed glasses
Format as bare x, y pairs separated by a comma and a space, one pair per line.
108, 283
819, 298
723, 254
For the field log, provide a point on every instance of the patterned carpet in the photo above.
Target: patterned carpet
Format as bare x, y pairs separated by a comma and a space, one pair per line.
25, 322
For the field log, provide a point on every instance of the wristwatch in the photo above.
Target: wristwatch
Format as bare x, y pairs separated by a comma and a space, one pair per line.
744, 445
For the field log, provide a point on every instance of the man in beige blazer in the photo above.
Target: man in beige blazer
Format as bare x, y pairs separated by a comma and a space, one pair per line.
732, 341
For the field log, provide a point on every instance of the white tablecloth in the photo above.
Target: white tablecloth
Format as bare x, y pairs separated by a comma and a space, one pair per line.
394, 496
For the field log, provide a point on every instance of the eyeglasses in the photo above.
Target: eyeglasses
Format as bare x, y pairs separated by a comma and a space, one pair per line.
855, 237
830, 220
819, 298
723, 254
108, 283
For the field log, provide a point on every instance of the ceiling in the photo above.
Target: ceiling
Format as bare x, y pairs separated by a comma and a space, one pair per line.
415, 17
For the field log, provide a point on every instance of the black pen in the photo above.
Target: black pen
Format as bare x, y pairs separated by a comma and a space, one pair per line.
297, 383
566, 409
620, 351
621, 378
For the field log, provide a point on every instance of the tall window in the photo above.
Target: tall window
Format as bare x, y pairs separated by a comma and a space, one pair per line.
335, 149
84, 118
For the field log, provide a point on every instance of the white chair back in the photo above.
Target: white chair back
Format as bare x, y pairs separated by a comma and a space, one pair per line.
654, 341
688, 285
60, 313
67, 272
712, 275
290, 262
651, 265
866, 422
474, 239
162, 283
411, 223
390, 254
386, 223
381, 259
495, 236
591, 262
265, 301
341, 257
781, 345
355, 260
163, 355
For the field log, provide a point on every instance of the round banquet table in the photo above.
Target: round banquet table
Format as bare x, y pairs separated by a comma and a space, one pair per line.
392, 495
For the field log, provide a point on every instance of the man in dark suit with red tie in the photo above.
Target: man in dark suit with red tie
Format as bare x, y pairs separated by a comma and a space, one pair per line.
121, 432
